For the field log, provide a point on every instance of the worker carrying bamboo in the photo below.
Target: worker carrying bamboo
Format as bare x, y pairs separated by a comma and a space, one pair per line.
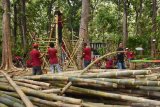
36, 61
86, 55
53, 59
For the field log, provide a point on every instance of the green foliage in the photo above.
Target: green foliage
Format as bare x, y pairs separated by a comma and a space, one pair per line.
105, 21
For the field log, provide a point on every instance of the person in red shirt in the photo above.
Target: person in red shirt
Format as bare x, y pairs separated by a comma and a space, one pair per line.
53, 59
129, 54
36, 61
109, 64
86, 55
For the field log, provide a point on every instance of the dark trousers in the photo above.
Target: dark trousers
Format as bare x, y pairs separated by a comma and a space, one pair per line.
36, 70
121, 65
60, 34
86, 63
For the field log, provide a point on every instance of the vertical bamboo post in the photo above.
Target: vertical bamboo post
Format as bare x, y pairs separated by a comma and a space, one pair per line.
57, 42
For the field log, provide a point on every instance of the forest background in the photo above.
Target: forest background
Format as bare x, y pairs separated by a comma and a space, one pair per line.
135, 22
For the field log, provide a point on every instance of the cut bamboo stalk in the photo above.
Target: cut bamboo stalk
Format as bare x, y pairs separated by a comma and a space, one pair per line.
34, 82
149, 88
107, 84
142, 92
3, 105
53, 104
24, 98
52, 90
85, 69
10, 97
51, 96
47, 78
114, 96
10, 103
89, 104
131, 82
45, 102
29, 85
44, 95
116, 74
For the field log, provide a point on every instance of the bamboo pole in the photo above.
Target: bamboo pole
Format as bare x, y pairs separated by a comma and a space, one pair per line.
107, 84
142, 92
85, 69
53, 104
44, 95
116, 74
10, 97
89, 104
24, 98
52, 90
10, 103
3, 105
114, 96
131, 82
45, 102
29, 85
34, 82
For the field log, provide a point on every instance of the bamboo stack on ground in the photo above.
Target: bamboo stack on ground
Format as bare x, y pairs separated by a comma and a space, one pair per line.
114, 87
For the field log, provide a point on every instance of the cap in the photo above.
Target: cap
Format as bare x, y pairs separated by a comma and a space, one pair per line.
35, 45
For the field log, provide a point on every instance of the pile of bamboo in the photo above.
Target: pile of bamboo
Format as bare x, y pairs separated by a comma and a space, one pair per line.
95, 88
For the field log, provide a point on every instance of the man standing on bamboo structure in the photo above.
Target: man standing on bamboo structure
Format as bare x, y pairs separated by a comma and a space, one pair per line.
36, 61
59, 27
120, 57
86, 55
53, 59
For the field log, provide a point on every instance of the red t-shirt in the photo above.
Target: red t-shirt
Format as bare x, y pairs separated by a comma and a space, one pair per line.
35, 58
87, 54
109, 64
52, 53
130, 55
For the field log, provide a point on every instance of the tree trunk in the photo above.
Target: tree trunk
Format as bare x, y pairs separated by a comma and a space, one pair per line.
83, 30
6, 45
23, 25
15, 24
50, 17
154, 27
125, 25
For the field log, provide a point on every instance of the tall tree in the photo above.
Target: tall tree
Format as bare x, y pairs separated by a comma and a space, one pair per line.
15, 23
125, 22
83, 30
6, 33
154, 26
23, 24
